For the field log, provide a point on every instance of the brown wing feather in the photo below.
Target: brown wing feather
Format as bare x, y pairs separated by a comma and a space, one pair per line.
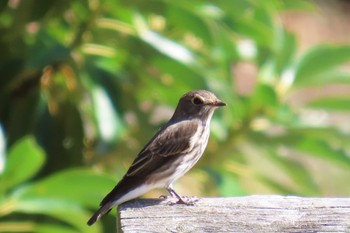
173, 140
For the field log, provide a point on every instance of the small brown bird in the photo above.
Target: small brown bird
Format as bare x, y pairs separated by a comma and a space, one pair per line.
173, 151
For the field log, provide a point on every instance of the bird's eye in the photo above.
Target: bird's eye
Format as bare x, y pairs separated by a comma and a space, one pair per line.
197, 101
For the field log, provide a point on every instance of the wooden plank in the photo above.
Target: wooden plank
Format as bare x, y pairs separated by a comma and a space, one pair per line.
237, 214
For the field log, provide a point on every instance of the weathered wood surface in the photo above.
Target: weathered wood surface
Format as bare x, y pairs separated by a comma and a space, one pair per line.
237, 214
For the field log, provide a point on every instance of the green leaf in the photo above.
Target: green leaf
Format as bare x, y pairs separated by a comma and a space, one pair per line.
297, 172
42, 54
24, 161
339, 104
229, 185
277, 186
312, 66
31, 226
186, 78
326, 77
77, 185
17, 226
110, 125
323, 150
54, 228
2, 151
251, 28
66, 211
286, 48
164, 45
189, 21
264, 96
298, 5
3, 4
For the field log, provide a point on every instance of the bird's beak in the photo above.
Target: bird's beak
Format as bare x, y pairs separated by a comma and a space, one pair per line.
218, 103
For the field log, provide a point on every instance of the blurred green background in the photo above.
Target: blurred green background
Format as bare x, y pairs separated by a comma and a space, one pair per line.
85, 84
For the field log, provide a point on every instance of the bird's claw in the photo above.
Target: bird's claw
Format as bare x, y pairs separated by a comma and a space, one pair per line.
185, 200
188, 200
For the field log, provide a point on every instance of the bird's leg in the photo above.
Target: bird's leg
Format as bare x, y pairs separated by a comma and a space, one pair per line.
175, 195
181, 200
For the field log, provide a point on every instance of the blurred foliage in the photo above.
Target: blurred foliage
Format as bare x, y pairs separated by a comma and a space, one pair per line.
91, 81
62, 196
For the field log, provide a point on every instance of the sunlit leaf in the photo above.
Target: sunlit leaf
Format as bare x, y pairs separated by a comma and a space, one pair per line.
35, 227
286, 48
24, 160
117, 25
2, 150
324, 58
109, 123
80, 186
100, 50
254, 29
338, 104
184, 76
191, 23
163, 44
17, 226
323, 150
264, 96
332, 76
229, 185
55, 228
298, 5
278, 187
69, 212
297, 172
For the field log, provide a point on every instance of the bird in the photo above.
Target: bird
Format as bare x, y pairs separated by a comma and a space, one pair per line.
172, 152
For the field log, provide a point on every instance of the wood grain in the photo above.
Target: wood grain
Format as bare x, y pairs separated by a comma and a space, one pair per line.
237, 214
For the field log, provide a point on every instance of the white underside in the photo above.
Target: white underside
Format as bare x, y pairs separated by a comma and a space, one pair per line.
139, 191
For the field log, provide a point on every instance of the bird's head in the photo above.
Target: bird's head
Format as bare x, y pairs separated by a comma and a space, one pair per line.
199, 103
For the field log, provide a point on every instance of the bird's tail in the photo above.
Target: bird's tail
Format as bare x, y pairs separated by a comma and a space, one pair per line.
128, 188
102, 211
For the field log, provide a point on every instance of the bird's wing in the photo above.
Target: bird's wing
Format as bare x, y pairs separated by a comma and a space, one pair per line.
175, 139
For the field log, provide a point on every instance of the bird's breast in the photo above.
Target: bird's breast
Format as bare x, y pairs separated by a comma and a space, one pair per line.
186, 161
182, 163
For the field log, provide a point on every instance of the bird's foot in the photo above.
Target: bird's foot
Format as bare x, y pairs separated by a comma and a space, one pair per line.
185, 200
